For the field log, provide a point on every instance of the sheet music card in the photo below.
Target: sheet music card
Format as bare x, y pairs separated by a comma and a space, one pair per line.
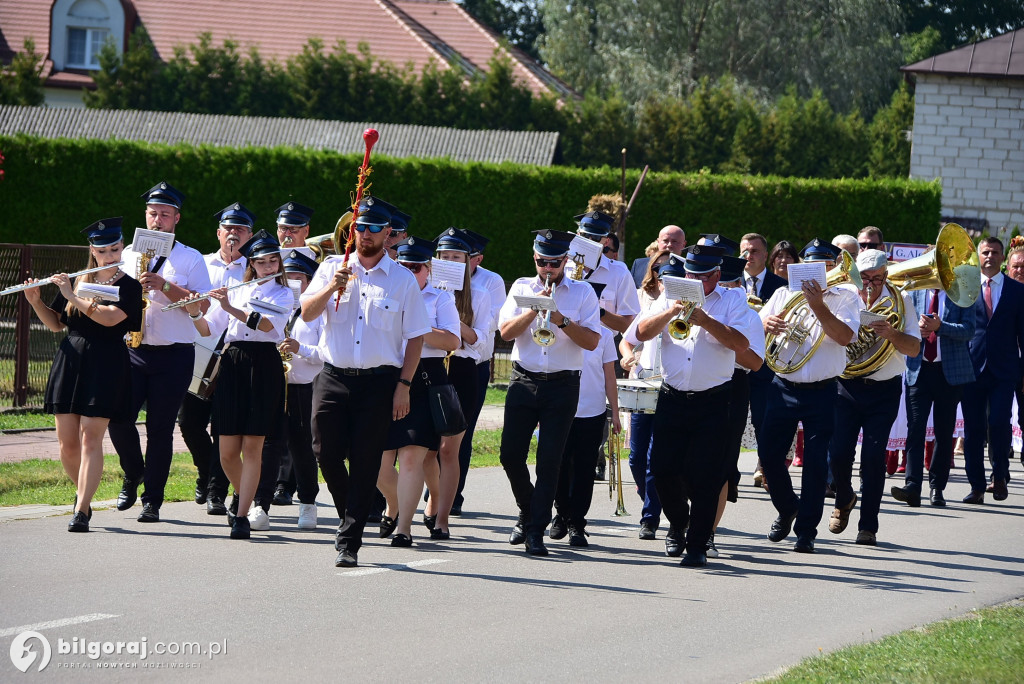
535, 303
684, 289
590, 250
156, 240
869, 317
447, 275
813, 270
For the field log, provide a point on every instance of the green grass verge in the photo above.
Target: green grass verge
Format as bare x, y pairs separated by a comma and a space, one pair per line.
984, 646
41, 481
19, 420
495, 397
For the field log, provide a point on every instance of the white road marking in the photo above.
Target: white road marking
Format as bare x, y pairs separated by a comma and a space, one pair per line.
53, 624
389, 567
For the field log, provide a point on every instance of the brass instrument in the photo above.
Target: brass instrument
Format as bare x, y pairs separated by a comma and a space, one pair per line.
286, 356
577, 268
801, 323
326, 245
679, 327
543, 335
951, 267
615, 470
754, 302
135, 336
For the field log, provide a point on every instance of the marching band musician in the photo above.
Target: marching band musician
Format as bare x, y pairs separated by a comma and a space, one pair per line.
399, 231
226, 267
250, 388
367, 376
293, 227
870, 403
806, 395
294, 440
162, 364
485, 279
545, 381
697, 372
620, 303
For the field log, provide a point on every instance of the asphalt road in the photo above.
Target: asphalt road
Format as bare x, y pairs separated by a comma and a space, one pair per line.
475, 608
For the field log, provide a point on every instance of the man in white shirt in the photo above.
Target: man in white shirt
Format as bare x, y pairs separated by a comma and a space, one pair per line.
545, 380
162, 364
293, 227
374, 323
619, 300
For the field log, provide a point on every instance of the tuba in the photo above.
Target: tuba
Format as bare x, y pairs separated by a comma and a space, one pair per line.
326, 245
951, 267
802, 329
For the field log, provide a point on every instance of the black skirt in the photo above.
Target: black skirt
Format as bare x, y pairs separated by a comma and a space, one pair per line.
250, 390
90, 377
463, 374
417, 428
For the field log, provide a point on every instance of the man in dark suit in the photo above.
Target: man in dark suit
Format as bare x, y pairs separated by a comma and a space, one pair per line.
936, 376
996, 355
671, 238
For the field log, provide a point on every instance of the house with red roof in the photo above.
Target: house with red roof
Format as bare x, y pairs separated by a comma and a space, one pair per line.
70, 33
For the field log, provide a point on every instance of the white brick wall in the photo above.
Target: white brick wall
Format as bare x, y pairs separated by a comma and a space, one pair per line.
970, 133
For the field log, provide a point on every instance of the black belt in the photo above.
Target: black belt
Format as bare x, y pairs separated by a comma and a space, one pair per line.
668, 389
871, 381
820, 384
544, 377
376, 370
161, 347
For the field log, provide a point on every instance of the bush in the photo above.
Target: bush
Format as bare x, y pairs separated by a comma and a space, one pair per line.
53, 188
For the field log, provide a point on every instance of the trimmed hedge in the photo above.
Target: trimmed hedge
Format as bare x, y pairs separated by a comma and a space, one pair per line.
54, 188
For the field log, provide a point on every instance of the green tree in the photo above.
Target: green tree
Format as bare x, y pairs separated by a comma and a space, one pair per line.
519, 21
890, 133
21, 81
129, 81
960, 22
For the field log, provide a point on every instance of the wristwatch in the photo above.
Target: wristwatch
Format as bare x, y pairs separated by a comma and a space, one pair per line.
167, 286
564, 323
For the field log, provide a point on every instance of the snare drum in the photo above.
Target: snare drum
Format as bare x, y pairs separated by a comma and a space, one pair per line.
638, 396
205, 369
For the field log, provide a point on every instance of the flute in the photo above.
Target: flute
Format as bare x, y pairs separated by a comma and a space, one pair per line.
183, 302
47, 281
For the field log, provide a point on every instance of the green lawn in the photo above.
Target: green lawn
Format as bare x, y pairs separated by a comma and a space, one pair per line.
495, 397
984, 646
16, 420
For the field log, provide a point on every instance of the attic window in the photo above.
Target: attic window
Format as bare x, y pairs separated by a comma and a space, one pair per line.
84, 46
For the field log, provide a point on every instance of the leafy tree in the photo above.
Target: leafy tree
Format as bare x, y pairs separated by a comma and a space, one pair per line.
518, 21
131, 80
21, 82
960, 22
890, 146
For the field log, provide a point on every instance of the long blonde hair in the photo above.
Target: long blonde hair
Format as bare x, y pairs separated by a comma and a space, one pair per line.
464, 298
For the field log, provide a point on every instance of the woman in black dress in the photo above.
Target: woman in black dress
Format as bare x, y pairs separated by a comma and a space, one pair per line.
90, 381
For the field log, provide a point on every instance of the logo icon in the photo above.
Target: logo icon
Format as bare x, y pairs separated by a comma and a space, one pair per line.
22, 655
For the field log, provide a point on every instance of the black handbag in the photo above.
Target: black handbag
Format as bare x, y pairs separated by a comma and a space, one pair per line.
445, 408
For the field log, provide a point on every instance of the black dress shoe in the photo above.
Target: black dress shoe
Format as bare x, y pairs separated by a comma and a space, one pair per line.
781, 528
129, 493
240, 528
804, 544
908, 495
439, 534
975, 497
150, 514
578, 536
673, 543
233, 510
282, 497
937, 498
346, 559
429, 521
401, 540
456, 511
600, 470
79, 522
999, 491
647, 530
387, 527
215, 505
559, 528
200, 495
518, 535
694, 559
535, 544
88, 515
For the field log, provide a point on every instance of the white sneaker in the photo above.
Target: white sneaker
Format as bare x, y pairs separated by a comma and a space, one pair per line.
307, 516
258, 519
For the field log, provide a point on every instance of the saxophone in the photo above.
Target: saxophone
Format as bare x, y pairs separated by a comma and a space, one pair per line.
135, 336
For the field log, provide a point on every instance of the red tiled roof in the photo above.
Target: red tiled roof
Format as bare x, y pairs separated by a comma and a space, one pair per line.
999, 57
20, 20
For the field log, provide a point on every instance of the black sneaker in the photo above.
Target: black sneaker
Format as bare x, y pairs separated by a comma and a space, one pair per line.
710, 550
559, 528
240, 528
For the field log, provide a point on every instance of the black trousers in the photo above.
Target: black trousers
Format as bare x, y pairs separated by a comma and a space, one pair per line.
193, 421
788, 404
351, 417
552, 404
739, 399
160, 378
297, 469
483, 376
931, 390
988, 413
760, 388
689, 468
576, 478
871, 406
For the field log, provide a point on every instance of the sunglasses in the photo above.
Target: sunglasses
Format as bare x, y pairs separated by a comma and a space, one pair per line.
869, 245
415, 268
549, 263
361, 227
608, 250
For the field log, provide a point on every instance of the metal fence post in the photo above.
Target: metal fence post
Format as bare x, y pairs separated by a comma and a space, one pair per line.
21, 329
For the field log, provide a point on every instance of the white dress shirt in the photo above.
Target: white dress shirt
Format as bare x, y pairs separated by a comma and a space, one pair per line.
619, 295
495, 287
701, 362
830, 359
649, 362
576, 301
483, 321
186, 268
384, 310
753, 330
760, 281
268, 291
222, 274
997, 289
443, 315
306, 362
897, 363
593, 400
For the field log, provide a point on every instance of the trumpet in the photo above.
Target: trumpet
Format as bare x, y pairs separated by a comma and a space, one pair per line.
184, 302
615, 470
47, 281
679, 327
543, 335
